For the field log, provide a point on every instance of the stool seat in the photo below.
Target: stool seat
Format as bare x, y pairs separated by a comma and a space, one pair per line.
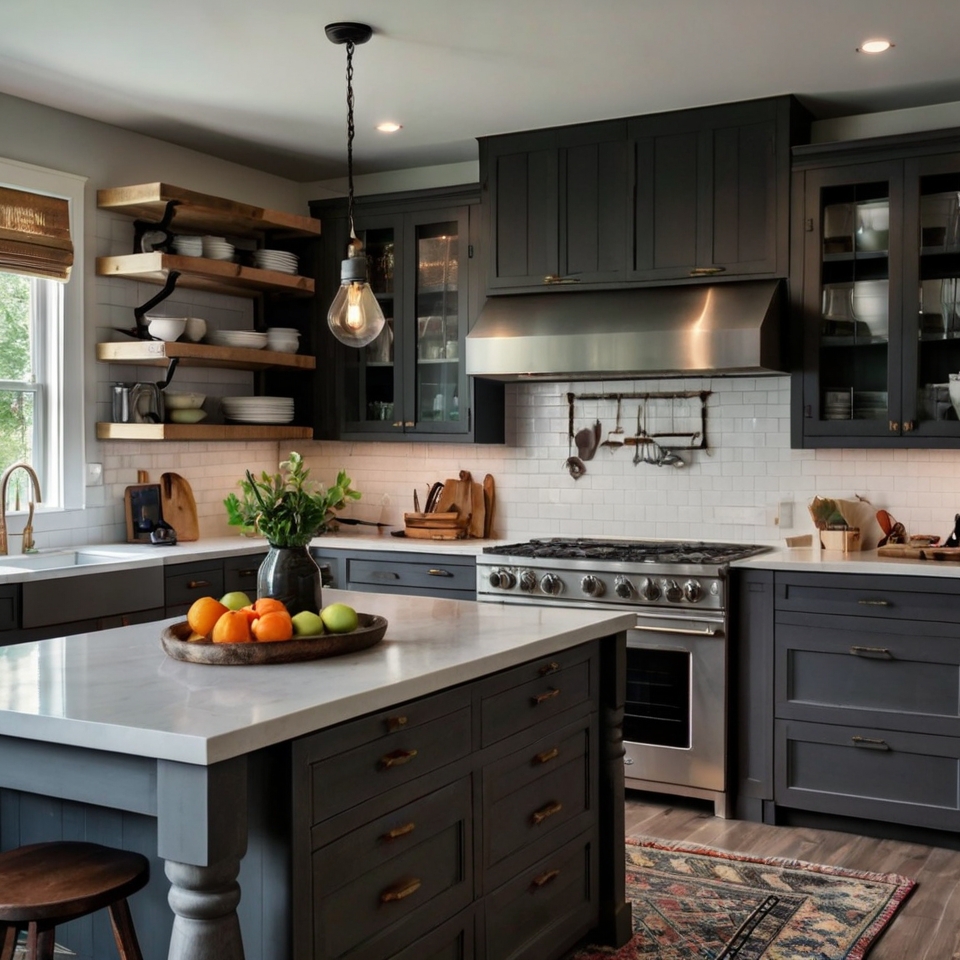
46, 884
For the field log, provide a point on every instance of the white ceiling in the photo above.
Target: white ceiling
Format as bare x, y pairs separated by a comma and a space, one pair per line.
257, 81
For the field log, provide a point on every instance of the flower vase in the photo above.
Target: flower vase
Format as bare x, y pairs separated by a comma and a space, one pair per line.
291, 575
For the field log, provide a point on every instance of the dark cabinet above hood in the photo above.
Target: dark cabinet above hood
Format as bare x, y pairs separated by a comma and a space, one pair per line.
716, 329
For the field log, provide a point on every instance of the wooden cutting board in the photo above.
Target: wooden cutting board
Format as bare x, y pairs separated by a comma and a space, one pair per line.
905, 552
178, 506
489, 501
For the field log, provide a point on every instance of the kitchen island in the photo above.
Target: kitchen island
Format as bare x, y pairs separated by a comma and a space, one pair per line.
217, 757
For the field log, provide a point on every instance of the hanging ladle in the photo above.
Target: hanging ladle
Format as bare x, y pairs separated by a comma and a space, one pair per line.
640, 433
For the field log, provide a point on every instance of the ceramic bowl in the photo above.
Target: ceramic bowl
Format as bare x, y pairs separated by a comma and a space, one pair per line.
196, 329
187, 416
183, 401
954, 388
166, 328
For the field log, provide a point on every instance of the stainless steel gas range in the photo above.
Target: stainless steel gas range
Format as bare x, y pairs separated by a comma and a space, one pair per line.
675, 727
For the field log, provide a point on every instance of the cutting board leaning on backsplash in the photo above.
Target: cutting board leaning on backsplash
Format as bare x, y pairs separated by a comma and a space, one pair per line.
178, 506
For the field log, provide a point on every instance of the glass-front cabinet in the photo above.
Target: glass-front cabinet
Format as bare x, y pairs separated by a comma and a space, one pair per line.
878, 304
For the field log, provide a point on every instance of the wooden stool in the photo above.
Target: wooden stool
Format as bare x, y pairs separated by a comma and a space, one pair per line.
46, 884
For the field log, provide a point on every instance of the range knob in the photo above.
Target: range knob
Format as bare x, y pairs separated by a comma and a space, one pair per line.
551, 585
593, 586
528, 581
672, 591
649, 589
623, 588
494, 578
692, 590
502, 579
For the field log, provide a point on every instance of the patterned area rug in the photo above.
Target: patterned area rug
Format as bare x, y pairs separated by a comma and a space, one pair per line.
696, 903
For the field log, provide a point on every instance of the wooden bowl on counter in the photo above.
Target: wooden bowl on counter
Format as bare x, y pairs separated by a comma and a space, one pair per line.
173, 639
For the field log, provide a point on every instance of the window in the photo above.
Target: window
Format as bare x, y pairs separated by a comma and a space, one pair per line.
41, 360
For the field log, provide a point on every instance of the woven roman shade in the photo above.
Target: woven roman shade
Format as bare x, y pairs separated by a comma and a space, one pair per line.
35, 234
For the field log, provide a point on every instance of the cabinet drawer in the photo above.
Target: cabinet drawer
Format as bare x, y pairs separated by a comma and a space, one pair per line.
546, 906
240, 573
869, 672
533, 692
433, 576
185, 582
868, 772
452, 941
530, 793
350, 764
397, 900
887, 598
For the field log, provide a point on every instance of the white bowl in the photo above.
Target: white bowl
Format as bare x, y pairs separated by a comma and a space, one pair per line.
183, 401
196, 329
166, 328
187, 416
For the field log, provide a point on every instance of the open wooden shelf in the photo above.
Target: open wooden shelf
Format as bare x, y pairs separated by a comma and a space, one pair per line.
199, 273
158, 353
202, 213
201, 431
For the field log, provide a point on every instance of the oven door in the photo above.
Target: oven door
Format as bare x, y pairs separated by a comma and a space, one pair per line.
674, 727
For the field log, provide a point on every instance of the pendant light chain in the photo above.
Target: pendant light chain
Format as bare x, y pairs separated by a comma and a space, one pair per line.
350, 133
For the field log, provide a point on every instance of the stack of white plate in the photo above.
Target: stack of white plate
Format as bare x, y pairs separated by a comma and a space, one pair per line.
278, 260
251, 339
870, 405
837, 405
216, 248
188, 246
283, 339
258, 409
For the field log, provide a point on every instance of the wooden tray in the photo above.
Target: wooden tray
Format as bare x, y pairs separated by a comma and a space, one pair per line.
175, 644
906, 552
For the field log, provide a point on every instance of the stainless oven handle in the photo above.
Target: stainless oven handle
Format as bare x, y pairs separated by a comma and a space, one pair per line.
686, 631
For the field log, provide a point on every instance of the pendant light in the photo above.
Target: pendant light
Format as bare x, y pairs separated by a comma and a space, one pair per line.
355, 317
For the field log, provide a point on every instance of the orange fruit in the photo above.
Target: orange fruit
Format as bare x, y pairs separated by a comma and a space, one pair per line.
268, 605
250, 612
273, 626
203, 615
232, 627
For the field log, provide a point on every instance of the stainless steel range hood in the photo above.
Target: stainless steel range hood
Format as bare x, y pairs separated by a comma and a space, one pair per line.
716, 329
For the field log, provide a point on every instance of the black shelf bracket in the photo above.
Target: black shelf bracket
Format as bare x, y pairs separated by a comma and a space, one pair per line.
140, 227
140, 330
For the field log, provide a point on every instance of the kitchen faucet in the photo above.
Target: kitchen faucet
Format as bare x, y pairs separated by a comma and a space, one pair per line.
28, 529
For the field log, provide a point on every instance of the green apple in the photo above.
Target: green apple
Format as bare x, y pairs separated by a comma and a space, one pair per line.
306, 623
339, 618
235, 600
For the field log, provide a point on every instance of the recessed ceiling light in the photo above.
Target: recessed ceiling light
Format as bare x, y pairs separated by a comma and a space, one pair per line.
389, 127
874, 46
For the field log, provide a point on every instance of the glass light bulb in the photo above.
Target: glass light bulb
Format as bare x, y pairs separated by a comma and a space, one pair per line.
355, 317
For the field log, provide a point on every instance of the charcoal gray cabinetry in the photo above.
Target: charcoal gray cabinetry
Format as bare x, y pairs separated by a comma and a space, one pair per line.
685, 195
186, 582
857, 680
462, 825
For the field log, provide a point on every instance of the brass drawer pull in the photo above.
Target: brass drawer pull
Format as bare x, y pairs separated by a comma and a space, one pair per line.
544, 813
549, 668
869, 744
542, 697
246, 573
874, 653
544, 879
197, 584
436, 572
398, 832
400, 890
706, 271
546, 756
395, 723
875, 603
396, 759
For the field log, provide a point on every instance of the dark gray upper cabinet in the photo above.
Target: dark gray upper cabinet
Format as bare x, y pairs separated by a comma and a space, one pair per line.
410, 383
876, 263
666, 197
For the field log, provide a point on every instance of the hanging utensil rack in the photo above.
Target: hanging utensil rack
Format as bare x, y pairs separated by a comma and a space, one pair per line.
695, 437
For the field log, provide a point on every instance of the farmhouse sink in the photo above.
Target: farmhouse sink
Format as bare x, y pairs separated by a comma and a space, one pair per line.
58, 559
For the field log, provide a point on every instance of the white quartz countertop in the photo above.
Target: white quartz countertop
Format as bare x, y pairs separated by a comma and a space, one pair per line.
116, 690
811, 560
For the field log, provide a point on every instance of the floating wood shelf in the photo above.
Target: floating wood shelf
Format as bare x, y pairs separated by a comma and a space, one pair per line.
159, 353
201, 431
199, 273
202, 213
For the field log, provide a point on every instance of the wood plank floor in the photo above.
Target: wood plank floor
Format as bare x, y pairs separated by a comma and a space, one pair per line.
927, 926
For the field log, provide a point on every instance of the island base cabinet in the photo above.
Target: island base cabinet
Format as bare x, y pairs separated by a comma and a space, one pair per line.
888, 775
450, 941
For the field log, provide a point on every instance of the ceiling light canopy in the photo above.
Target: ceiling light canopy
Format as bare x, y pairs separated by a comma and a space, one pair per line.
874, 46
389, 127
354, 317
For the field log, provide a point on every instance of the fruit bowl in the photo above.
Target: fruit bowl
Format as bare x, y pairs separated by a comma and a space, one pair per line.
175, 644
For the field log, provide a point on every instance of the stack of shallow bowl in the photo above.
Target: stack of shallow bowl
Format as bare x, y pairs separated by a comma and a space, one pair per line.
250, 339
216, 248
258, 409
278, 260
188, 246
283, 339
184, 407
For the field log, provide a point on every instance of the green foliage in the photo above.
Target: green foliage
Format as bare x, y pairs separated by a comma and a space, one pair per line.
287, 507
16, 406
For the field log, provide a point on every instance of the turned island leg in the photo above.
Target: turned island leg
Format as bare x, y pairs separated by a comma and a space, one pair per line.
202, 836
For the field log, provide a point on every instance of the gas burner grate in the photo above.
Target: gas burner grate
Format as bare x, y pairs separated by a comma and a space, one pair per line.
628, 551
